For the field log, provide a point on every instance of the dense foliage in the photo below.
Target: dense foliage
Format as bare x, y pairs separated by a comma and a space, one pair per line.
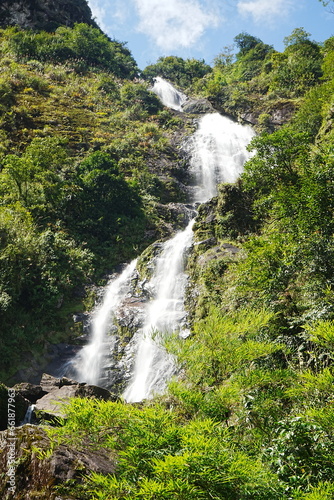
83, 43
183, 72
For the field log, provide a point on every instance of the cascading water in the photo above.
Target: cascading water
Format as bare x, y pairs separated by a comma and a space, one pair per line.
168, 94
88, 362
164, 314
29, 415
218, 152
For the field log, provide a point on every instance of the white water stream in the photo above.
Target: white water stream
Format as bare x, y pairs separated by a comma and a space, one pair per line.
168, 94
88, 362
218, 152
164, 314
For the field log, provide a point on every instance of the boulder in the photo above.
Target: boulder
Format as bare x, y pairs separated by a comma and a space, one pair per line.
49, 382
198, 107
40, 467
206, 244
51, 406
93, 391
59, 391
31, 392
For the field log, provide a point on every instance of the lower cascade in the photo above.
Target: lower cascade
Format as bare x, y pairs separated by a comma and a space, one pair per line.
217, 154
88, 363
164, 314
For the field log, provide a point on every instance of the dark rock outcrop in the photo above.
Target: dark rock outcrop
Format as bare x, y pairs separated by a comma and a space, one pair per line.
276, 117
11, 402
31, 392
41, 467
58, 392
45, 15
198, 107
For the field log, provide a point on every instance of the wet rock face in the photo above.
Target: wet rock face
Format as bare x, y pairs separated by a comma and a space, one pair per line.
44, 14
39, 469
198, 107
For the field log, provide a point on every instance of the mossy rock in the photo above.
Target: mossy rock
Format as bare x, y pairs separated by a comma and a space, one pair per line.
43, 466
144, 265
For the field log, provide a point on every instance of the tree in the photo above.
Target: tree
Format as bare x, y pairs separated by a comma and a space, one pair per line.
225, 58
245, 42
325, 2
299, 67
36, 178
298, 35
276, 162
103, 201
183, 72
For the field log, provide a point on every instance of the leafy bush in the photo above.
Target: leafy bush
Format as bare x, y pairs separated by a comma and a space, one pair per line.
182, 72
80, 43
161, 456
301, 454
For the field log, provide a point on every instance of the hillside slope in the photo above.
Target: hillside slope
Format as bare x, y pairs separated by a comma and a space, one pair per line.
89, 163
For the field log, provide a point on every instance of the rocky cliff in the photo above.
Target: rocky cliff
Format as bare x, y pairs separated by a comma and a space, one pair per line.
45, 15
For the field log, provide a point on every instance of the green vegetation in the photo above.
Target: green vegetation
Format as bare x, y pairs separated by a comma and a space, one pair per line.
84, 148
80, 153
259, 361
83, 43
183, 73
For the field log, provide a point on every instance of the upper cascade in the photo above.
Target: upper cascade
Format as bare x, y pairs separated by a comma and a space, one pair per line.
169, 95
45, 15
218, 152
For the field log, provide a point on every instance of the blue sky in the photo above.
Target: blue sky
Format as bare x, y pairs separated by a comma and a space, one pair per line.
201, 29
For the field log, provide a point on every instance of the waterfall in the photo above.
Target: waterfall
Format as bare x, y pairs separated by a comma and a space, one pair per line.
164, 314
88, 362
168, 94
29, 415
218, 152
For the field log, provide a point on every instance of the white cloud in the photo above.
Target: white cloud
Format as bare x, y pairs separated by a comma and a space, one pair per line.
109, 15
265, 10
98, 9
174, 24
